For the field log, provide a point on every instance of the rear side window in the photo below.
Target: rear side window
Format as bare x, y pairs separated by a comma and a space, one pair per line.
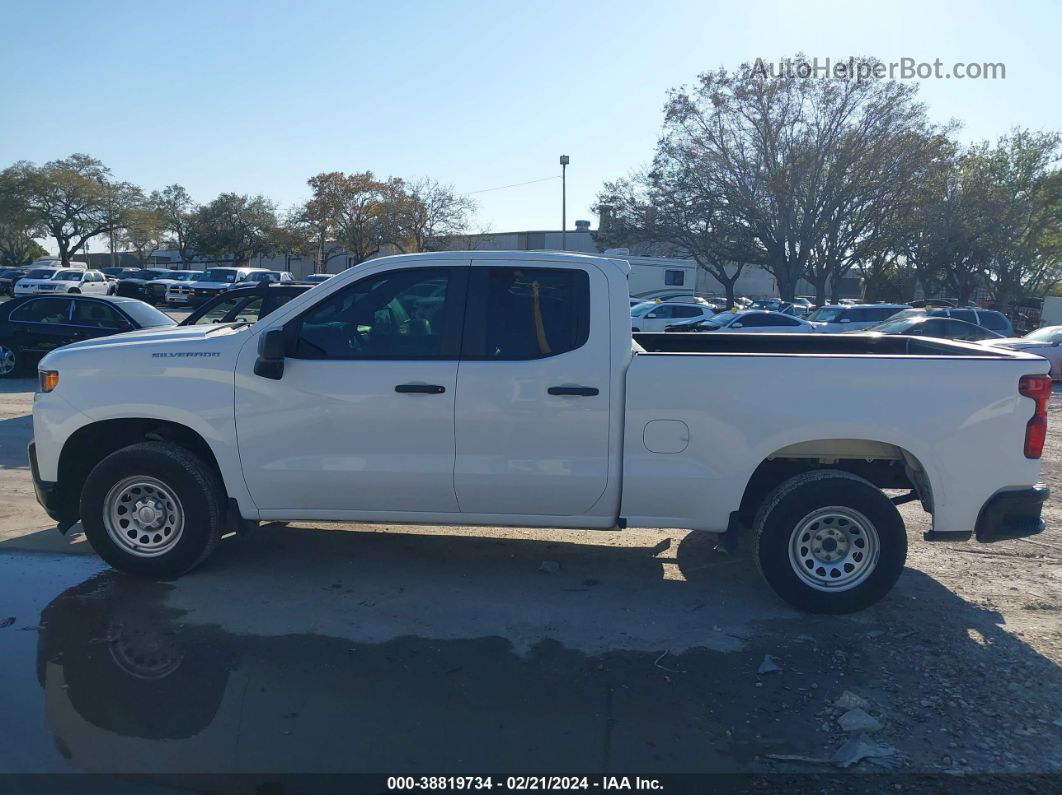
43, 310
686, 311
528, 313
964, 314
994, 321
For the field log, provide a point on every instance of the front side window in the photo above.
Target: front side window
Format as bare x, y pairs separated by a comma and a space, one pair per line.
532, 313
43, 310
393, 315
965, 314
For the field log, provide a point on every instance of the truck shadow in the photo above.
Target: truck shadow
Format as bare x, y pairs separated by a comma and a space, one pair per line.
15, 434
323, 651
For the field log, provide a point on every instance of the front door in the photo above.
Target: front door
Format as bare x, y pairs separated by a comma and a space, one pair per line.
43, 324
363, 418
532, 415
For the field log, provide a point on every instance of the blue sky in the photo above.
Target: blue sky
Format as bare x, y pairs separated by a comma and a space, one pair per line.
255, 97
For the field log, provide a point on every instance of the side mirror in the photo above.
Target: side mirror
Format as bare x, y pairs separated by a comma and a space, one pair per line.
270, 362
844, 320
125, 325
737, 325
652, 315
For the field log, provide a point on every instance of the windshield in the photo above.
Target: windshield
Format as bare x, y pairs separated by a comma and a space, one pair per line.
1045, 334
268, 276
67, 276
226, 275
188, 276
145, 315
170, 275
896, 325
722, 319
40, 273
643, 308
827, 314
131, 275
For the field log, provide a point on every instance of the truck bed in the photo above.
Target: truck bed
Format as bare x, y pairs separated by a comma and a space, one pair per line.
821, 344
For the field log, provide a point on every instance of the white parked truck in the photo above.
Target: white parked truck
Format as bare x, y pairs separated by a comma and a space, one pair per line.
493, 388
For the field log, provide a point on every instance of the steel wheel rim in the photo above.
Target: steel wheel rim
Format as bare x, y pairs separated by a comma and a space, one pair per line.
7, 361
143, 516
834, 549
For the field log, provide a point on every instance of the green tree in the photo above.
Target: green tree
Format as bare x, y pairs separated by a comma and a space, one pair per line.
73, 200
18, 225
236, 226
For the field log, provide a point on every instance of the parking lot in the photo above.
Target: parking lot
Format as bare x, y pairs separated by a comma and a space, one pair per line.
456, 650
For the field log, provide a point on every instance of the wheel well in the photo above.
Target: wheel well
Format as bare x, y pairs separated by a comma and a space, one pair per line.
885, 465
89, 445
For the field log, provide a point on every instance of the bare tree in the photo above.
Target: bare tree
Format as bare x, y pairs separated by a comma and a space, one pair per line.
791, 158
430, 213
676, 209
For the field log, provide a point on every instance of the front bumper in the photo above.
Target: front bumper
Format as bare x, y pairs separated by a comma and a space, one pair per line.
49, 495
1013, 513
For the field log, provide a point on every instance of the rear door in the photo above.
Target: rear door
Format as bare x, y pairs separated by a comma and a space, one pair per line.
532, 412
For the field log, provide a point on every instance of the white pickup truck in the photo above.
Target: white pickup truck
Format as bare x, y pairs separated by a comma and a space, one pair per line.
503, 388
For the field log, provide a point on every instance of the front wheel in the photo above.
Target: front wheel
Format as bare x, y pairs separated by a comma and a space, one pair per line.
153, 509
830, 542
10, 360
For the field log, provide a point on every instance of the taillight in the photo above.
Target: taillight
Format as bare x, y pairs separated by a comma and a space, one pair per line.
1037, 387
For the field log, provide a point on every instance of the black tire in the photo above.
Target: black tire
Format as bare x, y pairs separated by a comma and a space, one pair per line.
195, 484
790, 507
9, 352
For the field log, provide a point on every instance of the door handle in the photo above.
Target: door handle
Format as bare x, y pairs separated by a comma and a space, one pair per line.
580, 391
420, 389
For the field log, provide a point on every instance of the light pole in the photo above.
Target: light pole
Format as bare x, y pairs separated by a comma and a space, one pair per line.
564, 160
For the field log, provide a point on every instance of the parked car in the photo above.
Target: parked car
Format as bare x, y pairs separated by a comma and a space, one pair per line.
72, 280
134, 283
31, 326
990, 318
37, 278
244, 304
158, 291
519, 399
836, 318
654, 316
1046, 342
271, 277
217, 280
318, 278
750, 320
944, 328
8, 277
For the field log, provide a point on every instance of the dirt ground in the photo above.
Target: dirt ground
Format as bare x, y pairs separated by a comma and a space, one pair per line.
396, 649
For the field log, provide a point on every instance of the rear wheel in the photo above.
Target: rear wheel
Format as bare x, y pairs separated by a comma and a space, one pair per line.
153, 509
10, 360
830, 542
